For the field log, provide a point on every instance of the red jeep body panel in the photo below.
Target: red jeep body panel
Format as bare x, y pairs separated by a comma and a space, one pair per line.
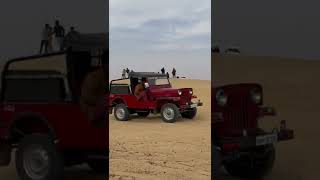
132, 101
157, 96
71, 127
67, 120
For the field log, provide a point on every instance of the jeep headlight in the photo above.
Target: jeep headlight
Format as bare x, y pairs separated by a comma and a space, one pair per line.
221, 97
179, 92
256, 96
190, 92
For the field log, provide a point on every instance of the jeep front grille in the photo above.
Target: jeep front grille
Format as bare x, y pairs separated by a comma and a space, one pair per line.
185, 96
238, 112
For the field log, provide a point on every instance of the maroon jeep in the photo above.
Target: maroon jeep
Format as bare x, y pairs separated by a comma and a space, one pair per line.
159, 97
239, 144
41, 117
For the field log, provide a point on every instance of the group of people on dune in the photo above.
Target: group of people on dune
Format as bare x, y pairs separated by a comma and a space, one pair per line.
125, 73
174, 72
52, 39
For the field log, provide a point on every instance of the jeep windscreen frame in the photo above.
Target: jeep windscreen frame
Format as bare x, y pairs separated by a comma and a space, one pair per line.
5, 69
149, 76
153, 81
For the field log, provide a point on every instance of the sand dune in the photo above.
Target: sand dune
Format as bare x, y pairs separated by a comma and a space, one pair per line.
292, 86
151, 149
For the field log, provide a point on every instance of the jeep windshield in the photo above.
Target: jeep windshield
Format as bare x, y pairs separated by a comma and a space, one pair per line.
158, 81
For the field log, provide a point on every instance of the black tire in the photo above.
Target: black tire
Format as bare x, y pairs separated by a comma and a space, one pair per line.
143, 113
38, 149
121, 112
190, 114
100, 166
262, 159
170, 113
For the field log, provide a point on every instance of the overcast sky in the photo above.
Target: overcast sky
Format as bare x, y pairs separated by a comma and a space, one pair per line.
288, 28
147, 35
21, 22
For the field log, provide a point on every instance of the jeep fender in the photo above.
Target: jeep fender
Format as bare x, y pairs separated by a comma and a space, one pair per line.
118, 100
16, 130
164, 100
23, 120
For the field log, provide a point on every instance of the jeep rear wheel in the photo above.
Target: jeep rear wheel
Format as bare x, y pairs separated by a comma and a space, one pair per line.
189, 114
170, 113
37, 158
121, 112
255, 165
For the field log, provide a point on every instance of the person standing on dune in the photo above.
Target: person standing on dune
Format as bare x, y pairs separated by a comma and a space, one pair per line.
127, 71
174, 71
163, 70
59, 34
123, 75
50, 39
45, 39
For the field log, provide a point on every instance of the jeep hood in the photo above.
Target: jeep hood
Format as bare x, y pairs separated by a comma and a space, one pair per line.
164, 92
169, 92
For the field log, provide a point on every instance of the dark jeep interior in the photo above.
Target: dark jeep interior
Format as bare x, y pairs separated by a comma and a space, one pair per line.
81, 63
120, 89
34, 90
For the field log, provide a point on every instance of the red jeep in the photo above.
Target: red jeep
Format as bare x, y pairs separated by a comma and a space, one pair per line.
41, 117
159, 97
239, 144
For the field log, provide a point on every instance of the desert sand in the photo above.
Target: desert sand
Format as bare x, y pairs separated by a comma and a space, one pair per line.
151, 149
293, 87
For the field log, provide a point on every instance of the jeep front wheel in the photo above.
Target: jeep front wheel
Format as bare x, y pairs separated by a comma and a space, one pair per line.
189, 114
170, 113
121, 112
37, 158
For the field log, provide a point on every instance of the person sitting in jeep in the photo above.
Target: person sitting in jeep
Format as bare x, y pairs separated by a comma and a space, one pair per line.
140, 89
92, 94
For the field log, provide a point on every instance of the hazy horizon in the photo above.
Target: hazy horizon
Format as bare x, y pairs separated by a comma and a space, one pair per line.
146, 36
268, 28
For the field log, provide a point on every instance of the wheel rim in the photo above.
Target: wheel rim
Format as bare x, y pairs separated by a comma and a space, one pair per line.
168, 113
120, 113
36, 162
